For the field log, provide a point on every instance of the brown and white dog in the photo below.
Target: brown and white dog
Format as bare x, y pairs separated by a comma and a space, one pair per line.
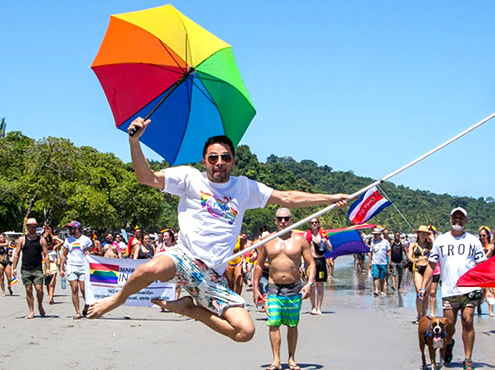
431, 332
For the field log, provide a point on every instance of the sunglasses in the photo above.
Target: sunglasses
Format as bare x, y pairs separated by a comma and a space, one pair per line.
213, 159
314, 222
283, 218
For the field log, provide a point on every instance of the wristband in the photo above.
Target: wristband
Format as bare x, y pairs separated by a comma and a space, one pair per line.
422, 289
311, 284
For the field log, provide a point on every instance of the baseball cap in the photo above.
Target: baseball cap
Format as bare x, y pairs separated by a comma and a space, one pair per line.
460, 209
75, 224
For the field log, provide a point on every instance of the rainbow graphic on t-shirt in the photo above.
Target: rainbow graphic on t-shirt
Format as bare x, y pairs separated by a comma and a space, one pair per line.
76, 245
218, 208
103, 273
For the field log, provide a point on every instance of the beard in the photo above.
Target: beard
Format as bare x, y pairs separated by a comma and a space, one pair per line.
457, 228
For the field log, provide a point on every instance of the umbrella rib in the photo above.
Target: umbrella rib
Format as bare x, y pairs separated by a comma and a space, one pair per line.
175, 60
170, 69
200, 88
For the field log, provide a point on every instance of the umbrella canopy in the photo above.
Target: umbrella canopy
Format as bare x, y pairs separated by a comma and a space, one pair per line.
482, 275
159, 61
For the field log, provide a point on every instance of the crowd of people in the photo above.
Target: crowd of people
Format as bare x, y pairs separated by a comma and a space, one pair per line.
282, 272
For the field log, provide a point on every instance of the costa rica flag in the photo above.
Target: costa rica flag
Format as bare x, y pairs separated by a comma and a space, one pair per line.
367, 206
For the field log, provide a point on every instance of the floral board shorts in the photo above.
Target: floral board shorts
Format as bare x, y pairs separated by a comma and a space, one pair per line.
205, 286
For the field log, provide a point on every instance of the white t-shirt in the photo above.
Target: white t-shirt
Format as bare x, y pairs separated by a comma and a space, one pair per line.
210, 214
456, 255
78, 248
379, 250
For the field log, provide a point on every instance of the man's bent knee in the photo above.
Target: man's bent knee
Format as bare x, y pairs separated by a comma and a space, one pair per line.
241, 322
245, 334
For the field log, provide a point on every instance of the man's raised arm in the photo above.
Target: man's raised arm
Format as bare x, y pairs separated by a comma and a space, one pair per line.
294, 198
144, 174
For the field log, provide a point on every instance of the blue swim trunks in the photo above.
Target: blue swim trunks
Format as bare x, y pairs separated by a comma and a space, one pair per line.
379, 271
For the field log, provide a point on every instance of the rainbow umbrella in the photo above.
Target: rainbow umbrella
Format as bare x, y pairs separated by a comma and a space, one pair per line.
157, 61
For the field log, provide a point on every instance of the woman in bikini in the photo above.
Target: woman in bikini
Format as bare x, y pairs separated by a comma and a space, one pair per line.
54, 245
418, 254
144, 250
5, 265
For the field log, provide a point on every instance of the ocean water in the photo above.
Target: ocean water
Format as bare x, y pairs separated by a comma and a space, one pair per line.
347, 282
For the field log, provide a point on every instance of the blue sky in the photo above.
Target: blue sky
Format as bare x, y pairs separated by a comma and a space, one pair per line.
365, 86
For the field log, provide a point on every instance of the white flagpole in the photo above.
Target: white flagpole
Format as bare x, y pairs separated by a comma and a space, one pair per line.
397, 209
357, 193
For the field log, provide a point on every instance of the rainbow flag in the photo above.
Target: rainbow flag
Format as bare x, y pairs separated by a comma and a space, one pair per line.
348, 242
103, 273
13, 281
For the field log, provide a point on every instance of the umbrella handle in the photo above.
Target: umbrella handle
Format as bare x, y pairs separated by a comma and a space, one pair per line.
176, 85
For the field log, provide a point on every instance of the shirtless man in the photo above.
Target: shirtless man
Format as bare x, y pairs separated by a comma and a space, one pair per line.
211, 208
285, 291
110, 248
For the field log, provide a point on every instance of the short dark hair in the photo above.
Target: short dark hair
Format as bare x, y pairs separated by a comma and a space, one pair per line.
220, 139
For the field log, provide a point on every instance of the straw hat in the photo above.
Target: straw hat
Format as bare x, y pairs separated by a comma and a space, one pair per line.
376, 231
31, 221
423, 228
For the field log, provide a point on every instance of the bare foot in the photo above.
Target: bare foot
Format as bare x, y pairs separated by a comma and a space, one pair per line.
30, 316
384, 294
314, 311
51, 301
42, 311
77, 316
101, 307
3, 294
180, 306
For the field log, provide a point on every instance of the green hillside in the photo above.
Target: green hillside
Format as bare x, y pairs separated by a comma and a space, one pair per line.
55, 181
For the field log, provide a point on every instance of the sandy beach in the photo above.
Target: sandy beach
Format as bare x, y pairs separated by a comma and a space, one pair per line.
356, 331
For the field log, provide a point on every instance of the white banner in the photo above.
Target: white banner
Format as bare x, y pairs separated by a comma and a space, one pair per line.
107, 276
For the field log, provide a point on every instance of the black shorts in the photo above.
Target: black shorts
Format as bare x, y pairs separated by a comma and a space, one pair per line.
321, 269
436, 278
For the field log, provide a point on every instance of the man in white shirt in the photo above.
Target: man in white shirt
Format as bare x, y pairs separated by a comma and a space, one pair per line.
457, 252
379, 261
211, 208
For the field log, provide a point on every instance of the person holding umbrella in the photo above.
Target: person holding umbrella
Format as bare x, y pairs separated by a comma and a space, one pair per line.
211, 208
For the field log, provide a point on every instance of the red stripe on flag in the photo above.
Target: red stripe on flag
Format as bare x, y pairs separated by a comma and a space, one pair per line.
103, 267
366, 205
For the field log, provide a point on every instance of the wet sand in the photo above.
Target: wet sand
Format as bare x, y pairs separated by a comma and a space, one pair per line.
356, 331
